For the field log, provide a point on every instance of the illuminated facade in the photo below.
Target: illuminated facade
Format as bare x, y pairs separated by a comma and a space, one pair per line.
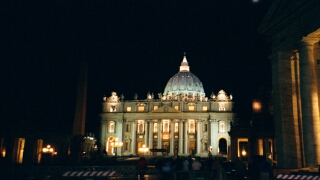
293, 29
181, 121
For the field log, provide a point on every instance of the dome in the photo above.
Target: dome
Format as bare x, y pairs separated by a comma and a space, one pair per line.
184, 82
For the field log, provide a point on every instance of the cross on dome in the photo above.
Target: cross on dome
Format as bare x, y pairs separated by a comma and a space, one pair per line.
184, 64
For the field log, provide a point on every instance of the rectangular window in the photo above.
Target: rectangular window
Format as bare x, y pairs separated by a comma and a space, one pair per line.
205, 108
260, 147
155, 107
191, 108
141, 108
128, 109
318, 61
176, 108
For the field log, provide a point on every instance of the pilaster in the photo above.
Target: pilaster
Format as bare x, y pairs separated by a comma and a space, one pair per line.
180, 137
309, 102
186, 138
172, 138
134, 138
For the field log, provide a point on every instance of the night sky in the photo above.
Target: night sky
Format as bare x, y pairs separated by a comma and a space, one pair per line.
130, 47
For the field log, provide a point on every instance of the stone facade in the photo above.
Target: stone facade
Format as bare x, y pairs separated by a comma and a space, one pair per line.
293, 29
182, 121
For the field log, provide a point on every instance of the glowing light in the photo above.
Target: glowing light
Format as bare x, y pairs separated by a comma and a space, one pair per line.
3, 153
143, 149
116, 144
255, 1
256, 106
243, 152
47, 149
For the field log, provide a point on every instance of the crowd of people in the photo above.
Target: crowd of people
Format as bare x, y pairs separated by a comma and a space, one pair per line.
214, 167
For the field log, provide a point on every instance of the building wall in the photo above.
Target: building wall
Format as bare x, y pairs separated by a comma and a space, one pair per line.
293, 30
200, 126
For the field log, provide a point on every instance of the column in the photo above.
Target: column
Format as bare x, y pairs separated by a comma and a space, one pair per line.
180, 137
309, 102
134, 138
159, 142
186, 144
146, 133
172, 138
214, 136
119, 127
150, 144
286, 129
103, 135
199, 130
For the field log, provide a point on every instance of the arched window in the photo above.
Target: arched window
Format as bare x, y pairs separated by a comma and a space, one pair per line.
140, 126
166, 127
111, 126
191, 126
176, 127
155, 127
222, 126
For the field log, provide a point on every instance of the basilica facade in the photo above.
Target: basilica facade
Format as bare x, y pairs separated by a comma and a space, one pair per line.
180, 121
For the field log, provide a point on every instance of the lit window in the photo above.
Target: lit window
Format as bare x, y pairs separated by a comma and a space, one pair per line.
176, 127
140, 126
222, 126
204, 108
111, 126
191, 127
128, 109
155, 107
141, 108
260, 146
176, 107
165, 126
191, 108
155, 127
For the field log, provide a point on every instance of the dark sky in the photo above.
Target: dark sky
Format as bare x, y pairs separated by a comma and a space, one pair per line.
130, 47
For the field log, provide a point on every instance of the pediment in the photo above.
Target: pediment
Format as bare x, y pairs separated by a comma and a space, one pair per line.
165, 109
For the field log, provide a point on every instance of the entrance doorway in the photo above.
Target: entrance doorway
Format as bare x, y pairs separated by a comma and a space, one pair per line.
222, 146
165, 145
192, 150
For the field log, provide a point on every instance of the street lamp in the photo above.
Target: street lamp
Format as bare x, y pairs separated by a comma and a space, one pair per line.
47, 149
143, 149
47, 154
115, 144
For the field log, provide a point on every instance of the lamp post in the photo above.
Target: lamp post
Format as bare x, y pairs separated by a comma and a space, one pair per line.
115, 144
47, 153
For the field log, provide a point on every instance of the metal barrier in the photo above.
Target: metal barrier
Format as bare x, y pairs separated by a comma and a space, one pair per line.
293, 176
91, 174
122, 172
